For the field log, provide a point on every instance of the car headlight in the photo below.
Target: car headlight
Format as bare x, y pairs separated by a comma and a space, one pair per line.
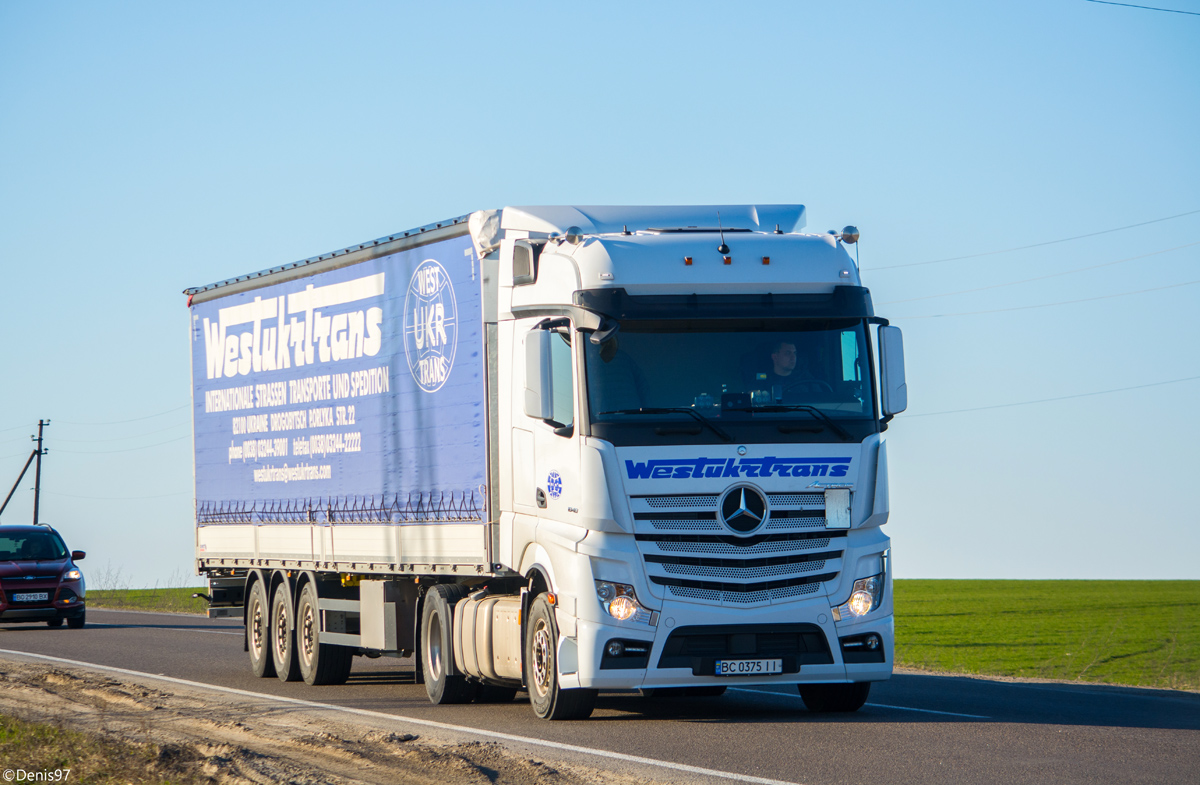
864, 598
72, 575
620, 602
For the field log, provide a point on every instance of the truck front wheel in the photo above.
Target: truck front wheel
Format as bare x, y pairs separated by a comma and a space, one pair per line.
437, 646
548, 699
258, 632
320, 663
825, 698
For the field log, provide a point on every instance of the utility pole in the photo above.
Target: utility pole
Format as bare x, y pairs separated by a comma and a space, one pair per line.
37, 471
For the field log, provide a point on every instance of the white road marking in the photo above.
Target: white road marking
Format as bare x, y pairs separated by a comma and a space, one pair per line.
929, 711
168, 629
729, 775
873, 705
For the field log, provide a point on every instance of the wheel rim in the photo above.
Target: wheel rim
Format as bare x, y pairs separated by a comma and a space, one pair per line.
281, 632
256, 627
542, 657
308, 637
433, 645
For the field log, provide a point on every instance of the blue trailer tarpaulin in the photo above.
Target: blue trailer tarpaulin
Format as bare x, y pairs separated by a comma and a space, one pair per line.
359, 389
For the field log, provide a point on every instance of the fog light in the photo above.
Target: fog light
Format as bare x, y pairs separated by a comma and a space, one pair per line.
616, 648
872, 642
622, 608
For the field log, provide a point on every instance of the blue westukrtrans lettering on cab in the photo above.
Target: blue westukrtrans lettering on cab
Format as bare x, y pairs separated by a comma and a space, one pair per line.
699, 468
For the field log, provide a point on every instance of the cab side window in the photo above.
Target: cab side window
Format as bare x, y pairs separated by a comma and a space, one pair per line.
564, 384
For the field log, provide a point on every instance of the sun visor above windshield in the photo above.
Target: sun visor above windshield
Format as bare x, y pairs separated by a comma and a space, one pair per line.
852, 302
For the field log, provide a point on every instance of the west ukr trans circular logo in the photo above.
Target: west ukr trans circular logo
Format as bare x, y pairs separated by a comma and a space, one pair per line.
430, 325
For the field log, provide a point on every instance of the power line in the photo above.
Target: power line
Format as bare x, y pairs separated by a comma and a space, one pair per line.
1041, 277
120, 438
135, 419
1145, 7
1048, 305
130, 449
117, 498
1060, 398
1034, 245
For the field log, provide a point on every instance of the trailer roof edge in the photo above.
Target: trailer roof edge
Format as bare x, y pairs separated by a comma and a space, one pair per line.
354, 254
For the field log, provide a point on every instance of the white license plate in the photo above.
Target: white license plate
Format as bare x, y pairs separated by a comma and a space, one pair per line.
748, 667
31, 596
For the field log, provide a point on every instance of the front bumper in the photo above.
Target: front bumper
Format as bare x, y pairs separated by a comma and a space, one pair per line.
802, 635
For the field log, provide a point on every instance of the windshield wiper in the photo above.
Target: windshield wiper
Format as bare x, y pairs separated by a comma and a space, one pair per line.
797, 407
697, 416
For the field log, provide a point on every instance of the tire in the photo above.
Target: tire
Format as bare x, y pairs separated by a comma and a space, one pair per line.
320, 663
258, 632
494, 693
77, 622
829, 698
549, 701
437, 646
54, 623
283, 636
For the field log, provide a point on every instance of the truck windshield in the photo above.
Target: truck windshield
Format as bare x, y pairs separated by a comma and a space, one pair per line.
755, 380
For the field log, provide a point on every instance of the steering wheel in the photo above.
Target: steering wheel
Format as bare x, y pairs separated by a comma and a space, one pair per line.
813, 385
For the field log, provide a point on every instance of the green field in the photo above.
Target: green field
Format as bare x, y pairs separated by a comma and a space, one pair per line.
170, 600
1142, 633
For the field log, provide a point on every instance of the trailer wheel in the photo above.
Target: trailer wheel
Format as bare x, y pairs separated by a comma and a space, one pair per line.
827, 698
320, 663
437, 646
283, 637
258, 632
549, 701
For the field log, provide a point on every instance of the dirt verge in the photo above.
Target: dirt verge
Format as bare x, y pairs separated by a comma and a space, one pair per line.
195, 736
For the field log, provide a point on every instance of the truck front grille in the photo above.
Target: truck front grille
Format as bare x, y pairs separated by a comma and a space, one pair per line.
689, 553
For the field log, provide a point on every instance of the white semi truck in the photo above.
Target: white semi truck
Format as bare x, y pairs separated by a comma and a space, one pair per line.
556, 450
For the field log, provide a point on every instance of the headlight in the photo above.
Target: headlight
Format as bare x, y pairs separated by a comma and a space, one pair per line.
620, 602
864, 598
72, 575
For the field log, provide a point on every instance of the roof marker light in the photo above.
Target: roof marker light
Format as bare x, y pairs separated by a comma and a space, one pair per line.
687, 260
766, 260
728, 260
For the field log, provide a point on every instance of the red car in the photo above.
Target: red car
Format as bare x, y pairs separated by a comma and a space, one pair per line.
38, 578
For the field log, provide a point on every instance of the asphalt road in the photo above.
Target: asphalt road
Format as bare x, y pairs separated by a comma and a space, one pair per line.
915, 728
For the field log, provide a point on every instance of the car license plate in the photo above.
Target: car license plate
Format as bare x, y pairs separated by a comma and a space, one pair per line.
748, 667
31, 596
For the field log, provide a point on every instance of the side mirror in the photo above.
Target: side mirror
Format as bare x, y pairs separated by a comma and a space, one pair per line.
891, 371
77, 555
539, 383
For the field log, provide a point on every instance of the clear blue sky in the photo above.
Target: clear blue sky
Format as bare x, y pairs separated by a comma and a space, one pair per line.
146, 147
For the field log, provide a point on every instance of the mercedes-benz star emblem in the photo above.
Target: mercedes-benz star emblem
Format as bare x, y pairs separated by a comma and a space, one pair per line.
743, 509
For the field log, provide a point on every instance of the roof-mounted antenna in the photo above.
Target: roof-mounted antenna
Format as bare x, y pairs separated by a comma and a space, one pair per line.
625, 229
722, 248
